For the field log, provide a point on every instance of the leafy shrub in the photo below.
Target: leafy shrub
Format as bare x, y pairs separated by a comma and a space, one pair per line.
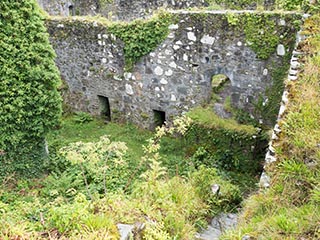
100, 165
82, 117
225, 144
30, 104
290, 4
227, 199
67, 217
141, 37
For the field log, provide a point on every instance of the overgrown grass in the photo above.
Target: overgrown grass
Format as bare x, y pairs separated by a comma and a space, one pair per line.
207, 117
71, 205
91, 131
172, 150
290, 209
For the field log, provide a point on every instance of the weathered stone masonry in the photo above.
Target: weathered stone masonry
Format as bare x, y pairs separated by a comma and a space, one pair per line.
117, 9
173, 78
128, 9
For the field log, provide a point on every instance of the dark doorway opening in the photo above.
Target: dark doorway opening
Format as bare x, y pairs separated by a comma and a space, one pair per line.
159, 118
71, 10
105, 108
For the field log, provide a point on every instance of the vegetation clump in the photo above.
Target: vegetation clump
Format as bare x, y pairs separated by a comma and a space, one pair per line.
92, 194
30, 104
224, 143
142, 36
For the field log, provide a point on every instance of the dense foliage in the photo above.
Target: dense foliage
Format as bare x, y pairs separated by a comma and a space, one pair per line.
86, 198
225, 144
141, 37
29, 101
234, 4
289, 209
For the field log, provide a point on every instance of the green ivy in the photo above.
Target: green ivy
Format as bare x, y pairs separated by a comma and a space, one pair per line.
261, 34
30, 104
268, 111
290, 4
225, 144
142, 36
234, 4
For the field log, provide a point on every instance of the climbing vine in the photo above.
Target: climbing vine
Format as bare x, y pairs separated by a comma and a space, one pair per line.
290, 4
232, 4
142, 36
261, 34
29, 100
268, 110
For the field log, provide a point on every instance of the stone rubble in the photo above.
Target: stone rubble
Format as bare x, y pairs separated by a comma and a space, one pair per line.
219, 224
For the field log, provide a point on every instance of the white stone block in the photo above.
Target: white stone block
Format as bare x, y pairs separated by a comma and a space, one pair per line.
265, 72
127, 75
168, 72
173, 26
163, 81
176, 47
282, 22
173, 65
158, 71
191, 36
185, 57
206, 39
129, 89
281, 51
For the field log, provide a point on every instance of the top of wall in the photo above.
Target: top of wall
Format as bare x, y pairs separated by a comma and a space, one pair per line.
127, 10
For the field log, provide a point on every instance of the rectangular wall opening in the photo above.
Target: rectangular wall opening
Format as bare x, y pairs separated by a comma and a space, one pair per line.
105, 108
71, 10
159, 118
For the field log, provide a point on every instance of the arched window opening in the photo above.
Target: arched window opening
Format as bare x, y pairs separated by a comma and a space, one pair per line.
71, 10
221, 96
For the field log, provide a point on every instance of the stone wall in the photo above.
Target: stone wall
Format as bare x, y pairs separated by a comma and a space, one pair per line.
128, 9
116, 10
173, 78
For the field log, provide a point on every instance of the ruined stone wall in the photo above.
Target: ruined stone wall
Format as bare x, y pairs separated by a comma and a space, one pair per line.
56, 7
131, 9
89, 61
116, 10
173, 78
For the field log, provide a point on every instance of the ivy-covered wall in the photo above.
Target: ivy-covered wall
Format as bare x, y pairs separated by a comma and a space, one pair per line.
166, 63
30, 104
224, 143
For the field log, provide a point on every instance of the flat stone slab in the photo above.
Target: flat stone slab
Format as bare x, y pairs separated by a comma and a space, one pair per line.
125, 231
218, 226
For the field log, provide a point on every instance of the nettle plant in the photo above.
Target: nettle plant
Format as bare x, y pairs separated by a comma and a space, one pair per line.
96, 158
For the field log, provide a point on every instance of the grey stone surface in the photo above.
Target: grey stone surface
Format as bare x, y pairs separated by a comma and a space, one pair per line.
125, 231
173, 78
128, 9
281, 51
264, 180
115, 10
218, 226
